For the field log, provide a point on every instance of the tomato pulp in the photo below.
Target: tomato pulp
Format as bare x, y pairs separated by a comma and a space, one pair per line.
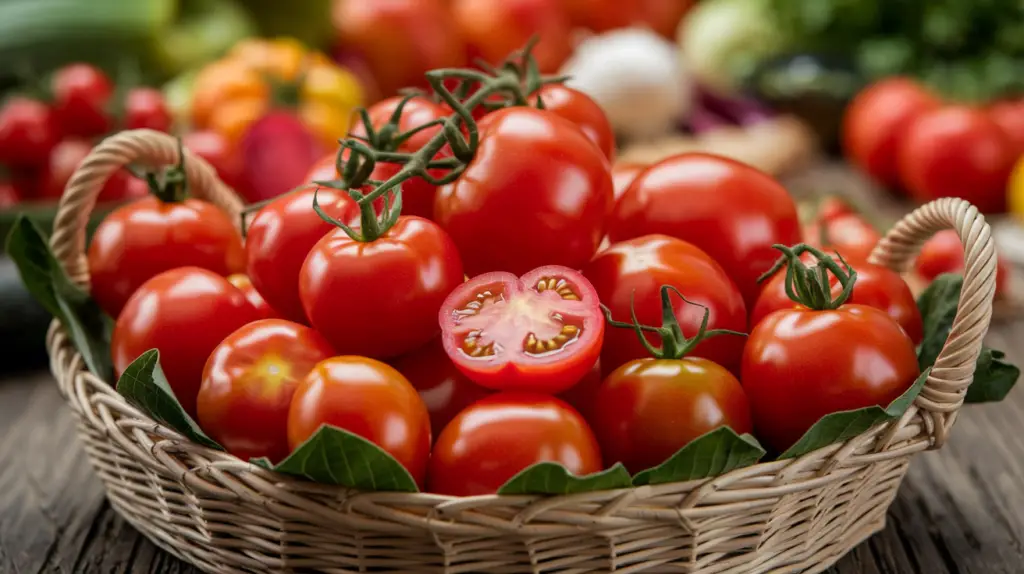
539, 332
248, 383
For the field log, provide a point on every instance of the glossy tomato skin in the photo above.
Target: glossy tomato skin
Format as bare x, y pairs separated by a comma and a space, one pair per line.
623, 174
583, 394
244, 284
581, 110
28, 132
217, 151
280, 237
541, 332
248, 383
730, 210
368, 398
64, 160
638, 268
145, 108
497, 437
80, 96
944, 253
442, 386
648, 409
536, 193
380, 299
494, 29
849, 234
877, 286
800, 365
876, 122
184, 313
957, 151
147, 236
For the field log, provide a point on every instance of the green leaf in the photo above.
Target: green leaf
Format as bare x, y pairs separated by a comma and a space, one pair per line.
144, 385
263, 462
938, 308
993, 379
711, 454
837, 427
336, 456
553, 478
44, 277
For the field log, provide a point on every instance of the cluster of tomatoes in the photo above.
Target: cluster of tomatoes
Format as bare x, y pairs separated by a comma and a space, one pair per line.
906, 138
543, 305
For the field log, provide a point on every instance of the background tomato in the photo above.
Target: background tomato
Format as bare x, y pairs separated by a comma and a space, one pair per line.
870, 361
9, 194
581, 110
145, 108
541, 332
81, 93
146, 237
849, 234
367, 398
637, 268
536, 194
623, 174
876, 121
444, 389
28, 132
732, 211
391, 288
957, 151
64, 160
497, 437
496, 28
648, 409
1009, 115
944, 253
217, 151
248, 383
184, 313
244, 284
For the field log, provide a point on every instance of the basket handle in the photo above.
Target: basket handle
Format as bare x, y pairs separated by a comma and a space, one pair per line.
943, 393
148, 147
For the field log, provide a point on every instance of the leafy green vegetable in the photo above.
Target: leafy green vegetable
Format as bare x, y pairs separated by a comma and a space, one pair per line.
993, 379
144, 385
553, 478
837, 427
712, 454
44, 277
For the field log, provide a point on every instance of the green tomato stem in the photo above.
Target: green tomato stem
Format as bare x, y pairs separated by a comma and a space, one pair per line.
811, 286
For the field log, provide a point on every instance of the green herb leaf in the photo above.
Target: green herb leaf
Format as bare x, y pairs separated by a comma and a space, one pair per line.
263, 462
938, 308
837, 427
144, 385
336, 456
44, 277
712, 454
993, 378
553, 478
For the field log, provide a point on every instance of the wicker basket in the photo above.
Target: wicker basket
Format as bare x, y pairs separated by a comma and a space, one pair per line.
225, 515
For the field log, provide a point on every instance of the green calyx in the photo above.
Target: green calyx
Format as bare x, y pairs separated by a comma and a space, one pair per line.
674, 345
811, 286
169, 184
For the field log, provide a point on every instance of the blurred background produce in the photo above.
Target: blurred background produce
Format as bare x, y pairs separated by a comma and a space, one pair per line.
912, 100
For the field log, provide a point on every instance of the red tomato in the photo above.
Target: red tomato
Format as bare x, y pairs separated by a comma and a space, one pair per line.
581, 396
367, 398
730, 210
217, 151
1009, 115
637, 268
850, 234
242, 281
64, 160
248, 383
540, 332
444, 389
146, 237
581, 110
832, 207
944, 253
28, 132
391, 288
10, 194
81, 93
184, 313
876, 122
662, 16
623, 174
957, 151
648, 409
800, 365
280, 237
499, 436
399, 39
495, 29
877, 286
536, 193
277, 151
145, 108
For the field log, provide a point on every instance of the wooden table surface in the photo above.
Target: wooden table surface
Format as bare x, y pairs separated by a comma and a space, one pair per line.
960, 510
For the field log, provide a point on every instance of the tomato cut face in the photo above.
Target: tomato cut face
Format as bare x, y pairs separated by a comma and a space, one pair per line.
540, 332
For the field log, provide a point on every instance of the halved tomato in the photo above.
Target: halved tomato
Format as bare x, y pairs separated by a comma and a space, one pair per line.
539, 332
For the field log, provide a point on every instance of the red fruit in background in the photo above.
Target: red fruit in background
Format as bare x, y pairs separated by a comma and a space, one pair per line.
957, 151
662, 16
28, 132
277, 152
9, 195
876, 122
217, 151
849, 234
581, 110
65, 158
145, 108
81, 94
494, 29
944, 253
1009, 115
623, 174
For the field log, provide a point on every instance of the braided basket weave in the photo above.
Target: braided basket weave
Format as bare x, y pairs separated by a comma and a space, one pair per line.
225, 515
